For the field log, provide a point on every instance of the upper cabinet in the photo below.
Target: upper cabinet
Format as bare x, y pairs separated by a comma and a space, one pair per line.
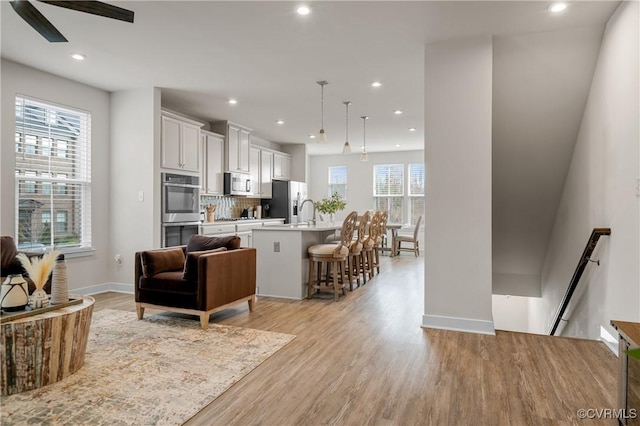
266, 173
281, 166
180, 141
237, 144
254, 166
212, 174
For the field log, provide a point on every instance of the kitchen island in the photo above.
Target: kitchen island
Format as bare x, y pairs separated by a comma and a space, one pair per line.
283, 266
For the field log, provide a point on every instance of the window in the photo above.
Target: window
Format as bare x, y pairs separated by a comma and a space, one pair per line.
338, 181
46, 186
388, 190
61, 222
30, 185
63, 176
46, 147
416, 192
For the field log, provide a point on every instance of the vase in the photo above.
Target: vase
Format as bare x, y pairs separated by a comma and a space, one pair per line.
331, 219
38, 299
59, 282
14, 295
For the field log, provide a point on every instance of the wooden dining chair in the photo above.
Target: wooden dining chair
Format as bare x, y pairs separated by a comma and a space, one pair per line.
334, 256
409, 239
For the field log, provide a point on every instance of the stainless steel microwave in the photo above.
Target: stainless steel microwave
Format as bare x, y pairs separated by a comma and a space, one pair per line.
237, 184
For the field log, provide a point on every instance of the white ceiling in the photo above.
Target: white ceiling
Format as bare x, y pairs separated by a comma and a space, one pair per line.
262, 53
202, 53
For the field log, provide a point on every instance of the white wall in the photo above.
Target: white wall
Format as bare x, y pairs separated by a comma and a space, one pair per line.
458, 86
601, 191
16, 78
517, 313
135, 159
299, 161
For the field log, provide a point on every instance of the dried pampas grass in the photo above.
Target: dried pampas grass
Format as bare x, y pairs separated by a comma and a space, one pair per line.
39, 268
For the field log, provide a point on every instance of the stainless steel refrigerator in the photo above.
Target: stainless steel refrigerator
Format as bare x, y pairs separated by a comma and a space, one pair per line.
285, 200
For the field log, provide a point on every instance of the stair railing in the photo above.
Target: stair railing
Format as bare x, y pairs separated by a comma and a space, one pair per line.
582, 264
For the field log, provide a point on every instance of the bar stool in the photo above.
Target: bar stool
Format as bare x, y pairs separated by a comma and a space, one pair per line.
355, 261
380, 238
335, 255
369, 243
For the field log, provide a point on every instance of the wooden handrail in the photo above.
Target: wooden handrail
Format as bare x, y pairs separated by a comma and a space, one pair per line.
582, 263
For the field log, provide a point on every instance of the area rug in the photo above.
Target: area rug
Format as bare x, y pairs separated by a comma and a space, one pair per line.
158, 371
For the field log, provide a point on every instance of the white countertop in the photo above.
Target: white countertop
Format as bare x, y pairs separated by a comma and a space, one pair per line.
303, 227
239, 222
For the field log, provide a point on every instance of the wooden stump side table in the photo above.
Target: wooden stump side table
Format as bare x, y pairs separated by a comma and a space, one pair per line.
44, 348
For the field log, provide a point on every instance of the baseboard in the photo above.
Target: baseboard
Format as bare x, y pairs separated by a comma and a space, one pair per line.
609, 341
103, 288
458, 324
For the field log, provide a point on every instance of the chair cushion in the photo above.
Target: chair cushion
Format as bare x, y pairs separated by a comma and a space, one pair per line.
405, 238
169, 282
190, 272
327, 250
157, 261
204, 243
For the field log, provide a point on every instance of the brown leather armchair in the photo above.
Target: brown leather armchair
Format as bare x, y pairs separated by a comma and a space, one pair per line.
196, 283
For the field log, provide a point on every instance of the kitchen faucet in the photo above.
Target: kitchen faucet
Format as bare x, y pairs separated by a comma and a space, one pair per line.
313, 221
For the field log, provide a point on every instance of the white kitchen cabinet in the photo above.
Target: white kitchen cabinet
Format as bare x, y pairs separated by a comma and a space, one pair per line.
237, 143
281, 166
180, 142
266, 173
212, 171
254, 167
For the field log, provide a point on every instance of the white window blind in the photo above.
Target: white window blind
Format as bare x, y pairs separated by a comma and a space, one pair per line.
416, 192
388, 190
53, 175
338, 181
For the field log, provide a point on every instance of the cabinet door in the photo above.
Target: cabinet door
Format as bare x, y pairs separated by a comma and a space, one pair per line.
254, 167
233, 148
243, 150
215, 164
203, 164
170, 137
266, 172
286, 167
190, 148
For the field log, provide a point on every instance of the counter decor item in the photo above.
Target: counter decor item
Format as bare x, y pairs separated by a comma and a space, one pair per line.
59, 282
330, 205
211, 209
38, 269
14, 294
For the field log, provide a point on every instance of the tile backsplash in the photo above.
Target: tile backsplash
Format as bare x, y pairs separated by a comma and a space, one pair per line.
228, 207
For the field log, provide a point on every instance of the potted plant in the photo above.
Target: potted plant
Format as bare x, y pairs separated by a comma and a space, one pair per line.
330, 205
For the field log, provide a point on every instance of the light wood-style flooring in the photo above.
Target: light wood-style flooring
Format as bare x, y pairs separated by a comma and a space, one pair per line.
366, 360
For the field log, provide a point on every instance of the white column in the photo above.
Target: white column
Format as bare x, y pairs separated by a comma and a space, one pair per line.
458, 262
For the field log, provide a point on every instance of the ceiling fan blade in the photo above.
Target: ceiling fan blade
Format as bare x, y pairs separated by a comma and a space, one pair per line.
95, 8
33, 17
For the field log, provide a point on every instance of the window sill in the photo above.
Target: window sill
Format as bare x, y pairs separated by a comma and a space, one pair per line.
72, 253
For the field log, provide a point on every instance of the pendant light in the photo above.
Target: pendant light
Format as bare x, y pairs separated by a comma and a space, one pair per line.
322, 136
364, 156
346, 149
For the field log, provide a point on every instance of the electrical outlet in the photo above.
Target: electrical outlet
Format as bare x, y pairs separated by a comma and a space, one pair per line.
141, 195
276, 246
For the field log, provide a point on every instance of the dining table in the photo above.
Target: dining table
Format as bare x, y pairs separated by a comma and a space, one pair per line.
393, 227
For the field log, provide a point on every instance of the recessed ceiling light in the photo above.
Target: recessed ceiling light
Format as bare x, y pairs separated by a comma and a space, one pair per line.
397, 145
280, 122
79, 56
303, 10
376, 84
397, 112
412, 129
232, 101
557, 7
312, 136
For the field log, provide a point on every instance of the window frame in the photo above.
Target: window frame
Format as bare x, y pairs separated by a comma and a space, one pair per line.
331, 185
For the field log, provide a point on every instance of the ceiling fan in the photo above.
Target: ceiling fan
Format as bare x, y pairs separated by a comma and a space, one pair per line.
33, 17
